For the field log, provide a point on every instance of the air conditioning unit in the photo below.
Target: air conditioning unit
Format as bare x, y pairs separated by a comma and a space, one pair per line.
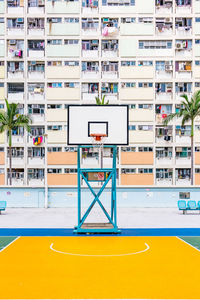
20, 20
105, 63
12, 42
167, 20
178, 46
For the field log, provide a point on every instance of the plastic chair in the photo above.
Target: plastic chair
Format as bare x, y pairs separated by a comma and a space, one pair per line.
182, 205
192, 205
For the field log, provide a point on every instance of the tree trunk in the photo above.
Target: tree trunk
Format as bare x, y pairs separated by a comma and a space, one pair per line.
10, 157
192, 153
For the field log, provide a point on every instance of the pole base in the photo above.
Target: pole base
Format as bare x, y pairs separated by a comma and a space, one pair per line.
96, 228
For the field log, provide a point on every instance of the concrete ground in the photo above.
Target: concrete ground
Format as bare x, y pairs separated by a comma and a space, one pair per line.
127, 218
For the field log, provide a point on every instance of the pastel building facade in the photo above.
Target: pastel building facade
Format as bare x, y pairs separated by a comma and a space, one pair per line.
142, 53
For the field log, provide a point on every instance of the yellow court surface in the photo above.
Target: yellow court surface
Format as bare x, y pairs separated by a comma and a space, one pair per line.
93, 267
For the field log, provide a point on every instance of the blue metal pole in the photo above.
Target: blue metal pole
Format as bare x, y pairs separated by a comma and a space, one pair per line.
114, 185
79, 186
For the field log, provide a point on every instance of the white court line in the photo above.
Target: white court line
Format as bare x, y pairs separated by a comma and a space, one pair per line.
9, 244
102, 255
187, 243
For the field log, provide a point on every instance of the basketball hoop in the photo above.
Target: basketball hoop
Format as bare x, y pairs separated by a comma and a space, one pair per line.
98, 139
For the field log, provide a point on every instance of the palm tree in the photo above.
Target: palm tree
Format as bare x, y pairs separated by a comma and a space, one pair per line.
190, 109
101, 101
10, 120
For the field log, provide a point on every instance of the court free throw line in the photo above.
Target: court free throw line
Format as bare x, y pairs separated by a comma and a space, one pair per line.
101, 255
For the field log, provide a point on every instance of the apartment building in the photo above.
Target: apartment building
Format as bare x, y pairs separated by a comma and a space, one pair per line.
58, 52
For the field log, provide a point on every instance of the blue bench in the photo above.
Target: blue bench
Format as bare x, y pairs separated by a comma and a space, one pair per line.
2, 206
188, 206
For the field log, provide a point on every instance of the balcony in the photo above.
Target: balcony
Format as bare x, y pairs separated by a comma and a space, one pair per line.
90, 91
18, 139
160, 118
90, 48
87, 96
37, 118
183, 177
108, 53
36, 7
17, 156
164, 91
183, 134
110, 90
165, 73
15, 27
36, 161
62, 7
90, 26
180, 93
90, 7
109, 70
164, 135
90, 70
164, 177
36, 70
16, 92
183, 69
17, 177
36, 26
184, 31
180, 159
15, 49
164, 156
36, 177
90, 53
36, 49
36, 92
36, 156
164, 26
15, 7
164, 7
183, 7
183, 48
15, 70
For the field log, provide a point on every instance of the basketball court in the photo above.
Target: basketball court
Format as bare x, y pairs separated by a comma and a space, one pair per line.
99, 267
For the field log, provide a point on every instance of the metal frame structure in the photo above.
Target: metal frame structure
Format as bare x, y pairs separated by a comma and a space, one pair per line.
111, 226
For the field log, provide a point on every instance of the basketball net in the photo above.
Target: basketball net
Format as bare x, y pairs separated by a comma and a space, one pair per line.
98, 140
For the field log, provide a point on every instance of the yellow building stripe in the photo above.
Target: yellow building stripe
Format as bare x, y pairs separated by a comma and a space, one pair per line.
31, 270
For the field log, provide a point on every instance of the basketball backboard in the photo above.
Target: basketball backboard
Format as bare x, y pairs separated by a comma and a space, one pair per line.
87, 120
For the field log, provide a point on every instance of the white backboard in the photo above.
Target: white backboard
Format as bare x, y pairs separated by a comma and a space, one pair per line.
84, 120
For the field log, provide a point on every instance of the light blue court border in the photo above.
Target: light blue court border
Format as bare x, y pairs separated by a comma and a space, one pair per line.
124, 232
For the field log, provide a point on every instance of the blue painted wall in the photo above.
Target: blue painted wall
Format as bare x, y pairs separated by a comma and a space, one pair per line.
67, 197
